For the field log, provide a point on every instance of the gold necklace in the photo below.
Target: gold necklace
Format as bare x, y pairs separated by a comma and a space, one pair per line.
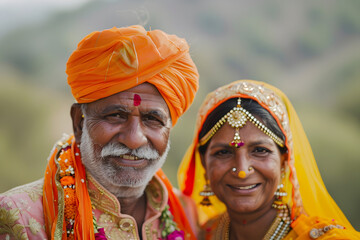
277, 231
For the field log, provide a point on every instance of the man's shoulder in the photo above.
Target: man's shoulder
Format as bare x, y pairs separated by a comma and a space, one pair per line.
33, 190
21, 212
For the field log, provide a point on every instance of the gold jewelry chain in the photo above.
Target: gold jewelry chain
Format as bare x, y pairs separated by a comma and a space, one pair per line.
238, 110
277, 231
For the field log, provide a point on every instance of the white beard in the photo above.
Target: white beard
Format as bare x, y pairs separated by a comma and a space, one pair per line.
123, 182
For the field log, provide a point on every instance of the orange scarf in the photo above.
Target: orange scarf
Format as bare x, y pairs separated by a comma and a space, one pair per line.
54, 196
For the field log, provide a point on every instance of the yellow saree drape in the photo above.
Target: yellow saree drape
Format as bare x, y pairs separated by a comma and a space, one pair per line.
307, 193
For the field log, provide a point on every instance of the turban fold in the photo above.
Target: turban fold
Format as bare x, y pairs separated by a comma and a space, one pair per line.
117, 59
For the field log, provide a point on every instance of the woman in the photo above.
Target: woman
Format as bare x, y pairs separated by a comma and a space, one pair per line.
252, 173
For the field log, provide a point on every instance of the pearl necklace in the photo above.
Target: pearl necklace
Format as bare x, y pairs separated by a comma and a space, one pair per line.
277, 231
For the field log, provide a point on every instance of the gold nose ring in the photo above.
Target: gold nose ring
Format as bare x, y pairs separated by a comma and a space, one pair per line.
242, 174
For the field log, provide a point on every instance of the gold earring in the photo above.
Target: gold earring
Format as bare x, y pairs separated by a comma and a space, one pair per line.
279, 194
206, 193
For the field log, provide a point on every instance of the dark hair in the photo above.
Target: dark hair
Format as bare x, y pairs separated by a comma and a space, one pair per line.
250, 105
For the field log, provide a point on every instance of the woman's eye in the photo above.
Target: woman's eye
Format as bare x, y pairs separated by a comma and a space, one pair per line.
261, 150
222, 153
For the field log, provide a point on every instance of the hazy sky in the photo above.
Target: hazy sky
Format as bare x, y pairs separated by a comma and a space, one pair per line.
15, 13
39, 3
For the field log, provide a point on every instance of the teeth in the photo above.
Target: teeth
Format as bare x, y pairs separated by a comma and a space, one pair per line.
247, 187
129, 157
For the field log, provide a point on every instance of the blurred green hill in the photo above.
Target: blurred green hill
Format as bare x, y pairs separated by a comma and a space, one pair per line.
308, 49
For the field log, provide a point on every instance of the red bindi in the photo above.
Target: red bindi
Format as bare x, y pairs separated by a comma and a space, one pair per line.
137, 100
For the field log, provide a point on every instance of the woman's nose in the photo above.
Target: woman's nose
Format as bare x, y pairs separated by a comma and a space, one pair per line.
242, 166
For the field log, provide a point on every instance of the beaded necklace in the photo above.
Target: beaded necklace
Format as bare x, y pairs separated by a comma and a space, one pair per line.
277, 231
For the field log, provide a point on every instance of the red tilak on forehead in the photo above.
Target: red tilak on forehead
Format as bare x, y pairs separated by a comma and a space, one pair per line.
137, 99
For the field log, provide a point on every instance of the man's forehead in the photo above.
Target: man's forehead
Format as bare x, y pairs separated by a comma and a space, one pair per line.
138, 99
144, 91
144, 96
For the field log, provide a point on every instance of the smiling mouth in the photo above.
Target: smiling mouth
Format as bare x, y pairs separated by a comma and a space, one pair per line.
127, 160
128, 157
248, 187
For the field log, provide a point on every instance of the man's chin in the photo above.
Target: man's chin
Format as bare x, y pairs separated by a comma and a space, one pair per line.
131, 183
130, 192
133, 177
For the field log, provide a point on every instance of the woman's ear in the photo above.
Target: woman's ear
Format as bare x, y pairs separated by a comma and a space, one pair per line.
202, 158
284, 157
77, 121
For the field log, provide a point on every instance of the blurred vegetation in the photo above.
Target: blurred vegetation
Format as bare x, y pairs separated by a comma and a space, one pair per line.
309, 49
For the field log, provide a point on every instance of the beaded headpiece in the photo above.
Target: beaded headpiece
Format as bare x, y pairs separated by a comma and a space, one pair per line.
237, 118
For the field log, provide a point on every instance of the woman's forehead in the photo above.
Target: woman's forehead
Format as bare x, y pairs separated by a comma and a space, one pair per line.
248, 132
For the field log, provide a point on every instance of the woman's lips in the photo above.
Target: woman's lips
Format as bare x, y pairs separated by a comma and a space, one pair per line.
244, 188
247, 187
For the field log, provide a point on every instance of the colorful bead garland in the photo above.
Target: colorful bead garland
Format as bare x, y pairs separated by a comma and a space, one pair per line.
67, 181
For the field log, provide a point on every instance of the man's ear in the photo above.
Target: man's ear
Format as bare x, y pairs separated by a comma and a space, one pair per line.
77, 121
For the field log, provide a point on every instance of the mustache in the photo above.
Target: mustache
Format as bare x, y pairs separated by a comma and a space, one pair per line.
118, 149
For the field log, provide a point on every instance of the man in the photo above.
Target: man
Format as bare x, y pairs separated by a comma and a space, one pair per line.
104, 182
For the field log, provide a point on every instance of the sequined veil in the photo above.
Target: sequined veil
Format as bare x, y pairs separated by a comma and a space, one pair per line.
306, 192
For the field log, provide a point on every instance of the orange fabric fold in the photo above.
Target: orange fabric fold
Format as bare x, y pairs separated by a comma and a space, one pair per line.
175, 207
53, 199
117, 59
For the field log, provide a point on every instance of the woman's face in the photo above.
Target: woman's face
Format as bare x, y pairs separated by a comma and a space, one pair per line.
256, 190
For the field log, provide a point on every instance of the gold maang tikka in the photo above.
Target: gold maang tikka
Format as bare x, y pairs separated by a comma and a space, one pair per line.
237, 118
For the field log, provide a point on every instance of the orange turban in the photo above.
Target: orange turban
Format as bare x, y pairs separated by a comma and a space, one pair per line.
117, 59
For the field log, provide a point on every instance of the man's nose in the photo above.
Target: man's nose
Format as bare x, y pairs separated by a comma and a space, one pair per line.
133, 135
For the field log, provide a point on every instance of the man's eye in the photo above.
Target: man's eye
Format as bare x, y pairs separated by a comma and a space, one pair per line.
116, 116
152, 120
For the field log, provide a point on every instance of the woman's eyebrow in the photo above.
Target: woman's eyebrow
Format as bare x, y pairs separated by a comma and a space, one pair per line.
260, 142
220, 144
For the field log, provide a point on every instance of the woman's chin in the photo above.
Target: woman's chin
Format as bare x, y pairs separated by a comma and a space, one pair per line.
243, 207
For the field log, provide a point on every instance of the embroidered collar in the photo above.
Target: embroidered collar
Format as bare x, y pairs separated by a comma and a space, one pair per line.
103, 200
